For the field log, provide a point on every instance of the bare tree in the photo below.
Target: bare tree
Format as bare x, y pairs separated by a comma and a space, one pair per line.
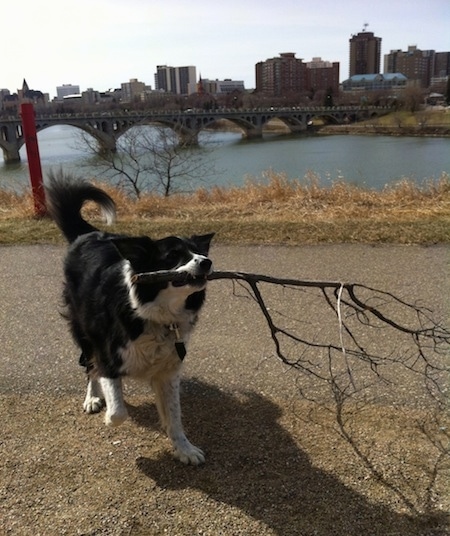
151, 159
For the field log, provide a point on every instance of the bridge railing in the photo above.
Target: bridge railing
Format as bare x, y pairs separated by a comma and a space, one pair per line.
194, 111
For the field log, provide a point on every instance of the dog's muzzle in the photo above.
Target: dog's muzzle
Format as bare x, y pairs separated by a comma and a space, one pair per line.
198, 278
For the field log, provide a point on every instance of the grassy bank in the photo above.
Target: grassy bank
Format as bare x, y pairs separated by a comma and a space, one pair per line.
274, 210
427, 122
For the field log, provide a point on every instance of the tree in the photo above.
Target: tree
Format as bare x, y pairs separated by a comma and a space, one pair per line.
328, 100
151, 159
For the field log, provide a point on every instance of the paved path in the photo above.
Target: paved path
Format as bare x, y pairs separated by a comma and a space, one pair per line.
231, 341
273, 468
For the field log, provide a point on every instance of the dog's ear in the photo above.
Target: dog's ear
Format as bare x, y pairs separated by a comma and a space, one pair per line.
202, 242
135, 249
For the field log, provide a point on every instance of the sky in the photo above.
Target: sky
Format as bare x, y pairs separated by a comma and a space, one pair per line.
100, 44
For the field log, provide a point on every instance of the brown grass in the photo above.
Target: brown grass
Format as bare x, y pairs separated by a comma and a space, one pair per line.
272, 210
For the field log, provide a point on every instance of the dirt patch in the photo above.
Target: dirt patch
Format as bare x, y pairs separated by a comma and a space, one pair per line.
273, 467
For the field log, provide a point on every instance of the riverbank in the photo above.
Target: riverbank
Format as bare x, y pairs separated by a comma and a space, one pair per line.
374, 129
430, 122
277, 211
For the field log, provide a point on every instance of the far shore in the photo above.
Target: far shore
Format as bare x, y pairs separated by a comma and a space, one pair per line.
368, 129
426, 123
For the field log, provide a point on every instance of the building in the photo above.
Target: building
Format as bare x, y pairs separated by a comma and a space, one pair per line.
281, 76
365, 53
65, 90
441, 65
322, 76
417, 65
221, 87
423, 67
375, 82
133, 90
176, 80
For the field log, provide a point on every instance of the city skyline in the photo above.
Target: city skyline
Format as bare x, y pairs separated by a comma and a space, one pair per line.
103, 43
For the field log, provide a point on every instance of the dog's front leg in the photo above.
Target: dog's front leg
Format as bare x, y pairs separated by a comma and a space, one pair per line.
116, 412
94, 401
167, 395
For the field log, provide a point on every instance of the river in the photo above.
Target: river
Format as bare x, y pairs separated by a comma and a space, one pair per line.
368, 161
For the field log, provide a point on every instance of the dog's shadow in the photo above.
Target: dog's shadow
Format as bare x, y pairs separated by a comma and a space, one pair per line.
255, 465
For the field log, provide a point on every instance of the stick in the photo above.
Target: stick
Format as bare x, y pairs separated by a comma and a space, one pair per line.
171, 275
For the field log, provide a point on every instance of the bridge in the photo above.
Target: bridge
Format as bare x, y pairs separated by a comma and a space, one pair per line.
107, 127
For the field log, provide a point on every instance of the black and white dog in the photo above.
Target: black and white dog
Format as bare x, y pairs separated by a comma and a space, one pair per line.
125, 328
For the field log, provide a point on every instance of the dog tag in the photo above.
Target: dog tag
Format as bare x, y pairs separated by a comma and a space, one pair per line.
181, 349
179, 344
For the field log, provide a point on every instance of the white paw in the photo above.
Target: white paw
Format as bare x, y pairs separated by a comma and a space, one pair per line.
117, 418
93, 404
190, 455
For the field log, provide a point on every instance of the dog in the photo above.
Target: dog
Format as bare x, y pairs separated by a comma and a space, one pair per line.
124, 328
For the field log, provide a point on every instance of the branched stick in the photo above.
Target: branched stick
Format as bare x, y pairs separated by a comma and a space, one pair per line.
384, 348
172, 275
353, 306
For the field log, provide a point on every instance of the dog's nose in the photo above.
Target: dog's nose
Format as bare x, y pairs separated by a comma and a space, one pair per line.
205, 265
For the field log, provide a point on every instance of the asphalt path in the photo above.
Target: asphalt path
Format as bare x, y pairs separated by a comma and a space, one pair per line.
231, 346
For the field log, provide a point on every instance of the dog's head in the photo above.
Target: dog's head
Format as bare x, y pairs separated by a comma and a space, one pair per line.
189, 256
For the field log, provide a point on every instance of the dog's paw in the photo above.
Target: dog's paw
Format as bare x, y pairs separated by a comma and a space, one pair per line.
93, 404
190, 454
117, 418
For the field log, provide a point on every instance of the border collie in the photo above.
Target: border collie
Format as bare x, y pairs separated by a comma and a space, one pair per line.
125, 328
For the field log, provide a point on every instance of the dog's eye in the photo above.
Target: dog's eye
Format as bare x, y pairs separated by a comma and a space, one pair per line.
172, 257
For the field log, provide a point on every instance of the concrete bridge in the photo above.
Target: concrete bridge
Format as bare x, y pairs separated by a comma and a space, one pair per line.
107, 127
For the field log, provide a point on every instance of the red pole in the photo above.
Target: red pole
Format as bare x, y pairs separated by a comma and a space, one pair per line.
34, 160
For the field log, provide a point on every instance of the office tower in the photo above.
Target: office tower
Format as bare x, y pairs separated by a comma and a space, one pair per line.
177, 80
65, 90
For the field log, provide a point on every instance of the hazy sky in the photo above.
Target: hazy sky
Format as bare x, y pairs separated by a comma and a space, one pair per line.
102, 43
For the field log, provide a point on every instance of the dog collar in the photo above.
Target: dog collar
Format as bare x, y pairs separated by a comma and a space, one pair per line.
179, 343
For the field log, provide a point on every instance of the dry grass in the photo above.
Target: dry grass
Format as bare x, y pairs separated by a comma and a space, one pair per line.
271, 210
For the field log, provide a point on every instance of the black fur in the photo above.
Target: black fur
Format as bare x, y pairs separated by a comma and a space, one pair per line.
108, 314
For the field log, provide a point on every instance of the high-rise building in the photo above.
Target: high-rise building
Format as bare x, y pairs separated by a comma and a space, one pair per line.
281, 76
66, 90
417, 65
365, 53
177, 80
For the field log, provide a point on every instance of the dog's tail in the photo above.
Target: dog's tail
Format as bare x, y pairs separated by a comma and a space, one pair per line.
65, 198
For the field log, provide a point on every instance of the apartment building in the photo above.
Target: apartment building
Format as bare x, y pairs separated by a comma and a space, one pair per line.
419, 66
281, 76
133, 90
365, 53
322, 75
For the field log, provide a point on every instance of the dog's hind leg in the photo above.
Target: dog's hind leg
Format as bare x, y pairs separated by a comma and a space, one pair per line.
116, 412
167, 395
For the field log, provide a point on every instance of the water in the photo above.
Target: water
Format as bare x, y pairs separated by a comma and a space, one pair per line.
369, 161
